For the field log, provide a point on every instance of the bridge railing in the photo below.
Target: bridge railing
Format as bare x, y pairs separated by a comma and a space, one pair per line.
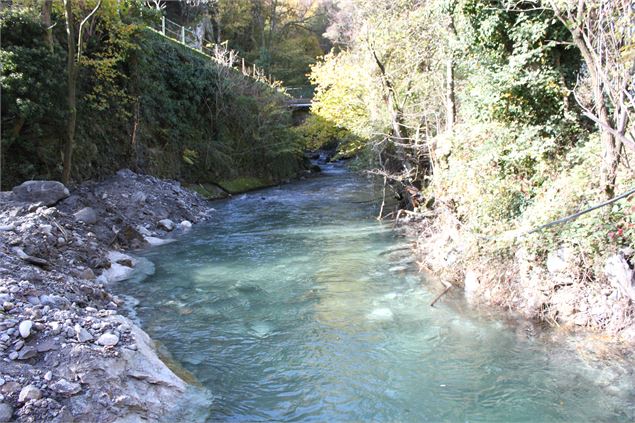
305, 92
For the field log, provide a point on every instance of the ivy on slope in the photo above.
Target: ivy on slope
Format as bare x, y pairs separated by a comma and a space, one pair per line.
146, 103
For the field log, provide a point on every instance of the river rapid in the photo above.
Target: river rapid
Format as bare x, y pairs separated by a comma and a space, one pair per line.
295, 304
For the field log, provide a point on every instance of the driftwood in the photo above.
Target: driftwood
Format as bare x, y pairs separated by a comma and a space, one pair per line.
445, 291
30, 259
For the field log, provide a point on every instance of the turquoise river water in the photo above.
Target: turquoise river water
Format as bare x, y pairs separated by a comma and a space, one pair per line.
295, 304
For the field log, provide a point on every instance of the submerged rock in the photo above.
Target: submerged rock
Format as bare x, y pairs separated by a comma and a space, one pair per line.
381, 314
154, 241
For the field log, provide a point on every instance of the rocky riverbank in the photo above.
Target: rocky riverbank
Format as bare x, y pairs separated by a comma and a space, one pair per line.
66, 352
562, 289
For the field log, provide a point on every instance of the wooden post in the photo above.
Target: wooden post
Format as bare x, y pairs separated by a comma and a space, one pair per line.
243, 65
163, 25
183, 34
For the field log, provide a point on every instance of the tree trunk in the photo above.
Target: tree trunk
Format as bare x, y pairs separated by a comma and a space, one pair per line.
610, 153
450, 102
71, 67
47, 6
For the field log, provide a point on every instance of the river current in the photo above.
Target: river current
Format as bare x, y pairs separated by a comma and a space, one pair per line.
295, 304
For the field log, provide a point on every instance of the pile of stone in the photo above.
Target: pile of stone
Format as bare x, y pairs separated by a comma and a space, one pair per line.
65, 352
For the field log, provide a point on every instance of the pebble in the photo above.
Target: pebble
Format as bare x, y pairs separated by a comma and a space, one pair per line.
25, 328
108, 340
13, 355
28, 393
48, 376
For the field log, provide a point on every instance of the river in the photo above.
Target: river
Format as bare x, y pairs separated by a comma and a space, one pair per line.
295, 304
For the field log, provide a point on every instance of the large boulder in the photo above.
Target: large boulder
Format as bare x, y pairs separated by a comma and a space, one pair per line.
46, 192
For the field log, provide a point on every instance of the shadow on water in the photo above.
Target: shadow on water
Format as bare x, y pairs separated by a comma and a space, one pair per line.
294, 303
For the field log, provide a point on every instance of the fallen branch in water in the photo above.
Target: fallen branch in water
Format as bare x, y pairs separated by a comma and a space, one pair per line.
445, 291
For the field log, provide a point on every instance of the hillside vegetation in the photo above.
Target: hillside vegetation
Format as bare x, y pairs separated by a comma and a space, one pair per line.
143, 102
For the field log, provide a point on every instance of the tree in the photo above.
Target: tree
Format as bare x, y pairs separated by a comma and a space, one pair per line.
603, 33
74, 53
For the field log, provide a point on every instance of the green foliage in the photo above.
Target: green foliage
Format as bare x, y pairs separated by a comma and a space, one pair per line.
283, 37
144, 102
318, 133
518, 66
33, 98
243, 184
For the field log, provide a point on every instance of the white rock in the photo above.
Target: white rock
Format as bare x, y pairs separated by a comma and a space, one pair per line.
470, 283
28, 393
154, 241
166, 224
117, 273
82, 334
115, 256
108, 340
559, 261
143, 230
621, 276
186, 224
25, 328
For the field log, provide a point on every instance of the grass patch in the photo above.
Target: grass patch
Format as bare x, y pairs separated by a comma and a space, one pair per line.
243, 184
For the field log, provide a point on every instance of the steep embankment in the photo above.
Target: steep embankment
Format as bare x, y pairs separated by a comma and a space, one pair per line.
144, 102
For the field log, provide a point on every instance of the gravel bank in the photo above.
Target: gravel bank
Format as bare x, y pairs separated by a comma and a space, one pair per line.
66, 352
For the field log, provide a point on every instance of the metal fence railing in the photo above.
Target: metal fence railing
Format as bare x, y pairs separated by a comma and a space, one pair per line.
221, 54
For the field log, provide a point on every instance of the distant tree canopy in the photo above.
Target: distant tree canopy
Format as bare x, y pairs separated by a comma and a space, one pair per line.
284, 37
